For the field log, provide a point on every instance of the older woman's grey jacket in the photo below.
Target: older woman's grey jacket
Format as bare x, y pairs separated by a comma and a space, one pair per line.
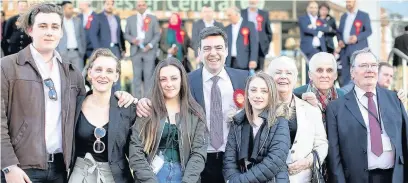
272, 153
192, 147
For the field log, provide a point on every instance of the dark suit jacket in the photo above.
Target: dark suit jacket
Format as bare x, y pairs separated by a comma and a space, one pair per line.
303, 89
89, 46
119, 128
401, 43
330, 22
195, 78
347, 134
100, 35
245, 53
264, 36
14, 39
307, 34
365, 31
197, 27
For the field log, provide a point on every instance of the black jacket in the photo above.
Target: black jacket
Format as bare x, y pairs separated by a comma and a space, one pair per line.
14, 39
401, 43
272, 153
119, 127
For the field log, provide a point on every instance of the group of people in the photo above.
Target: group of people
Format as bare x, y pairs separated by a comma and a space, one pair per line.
215, 124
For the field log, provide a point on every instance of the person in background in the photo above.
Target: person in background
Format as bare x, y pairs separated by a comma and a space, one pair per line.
330, 22
38, 126
15, 39
72, 45
87, 16
3, 22
175, 42
102, 129
400, 43
260, 18
143, 33
175, 133
367, 129
207, 20
307, 133
258, 140
353, 33
243, 44
206, 85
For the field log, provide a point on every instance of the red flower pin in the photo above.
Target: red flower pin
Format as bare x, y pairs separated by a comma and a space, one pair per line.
239, 98
319, 22
245, 32
259, 19
146, 23
358, 24
182, 34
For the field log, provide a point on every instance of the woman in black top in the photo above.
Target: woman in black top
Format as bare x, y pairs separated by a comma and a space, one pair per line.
325, 17
101, 140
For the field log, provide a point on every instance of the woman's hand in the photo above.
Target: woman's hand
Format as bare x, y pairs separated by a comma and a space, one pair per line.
299, 166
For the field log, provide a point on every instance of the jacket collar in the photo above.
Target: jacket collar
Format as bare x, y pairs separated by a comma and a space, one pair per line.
240, 117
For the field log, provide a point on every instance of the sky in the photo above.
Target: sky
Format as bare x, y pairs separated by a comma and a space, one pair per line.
400, 7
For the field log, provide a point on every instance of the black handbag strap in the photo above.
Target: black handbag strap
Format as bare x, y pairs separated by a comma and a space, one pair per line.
316, 159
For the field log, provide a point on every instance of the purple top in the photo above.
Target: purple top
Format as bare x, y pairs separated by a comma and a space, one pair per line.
113, 25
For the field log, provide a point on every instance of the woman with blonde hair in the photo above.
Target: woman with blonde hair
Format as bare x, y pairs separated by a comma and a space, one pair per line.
258, 140
307, 132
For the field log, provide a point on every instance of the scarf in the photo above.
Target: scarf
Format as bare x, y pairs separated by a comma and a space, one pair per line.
323, 99
177, 28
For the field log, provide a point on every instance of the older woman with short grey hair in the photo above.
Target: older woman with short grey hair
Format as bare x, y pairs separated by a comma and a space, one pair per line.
306, 127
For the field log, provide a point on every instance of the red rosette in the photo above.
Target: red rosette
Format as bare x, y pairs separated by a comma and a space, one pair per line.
88, 23
239, 98
146, 23
319, 22
245, 33
259, 19
182, 34
358, 24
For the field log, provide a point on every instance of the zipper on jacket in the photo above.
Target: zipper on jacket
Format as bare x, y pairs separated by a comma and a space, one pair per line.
67, 164
267, 135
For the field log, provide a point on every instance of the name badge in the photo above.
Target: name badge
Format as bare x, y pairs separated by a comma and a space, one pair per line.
157, 163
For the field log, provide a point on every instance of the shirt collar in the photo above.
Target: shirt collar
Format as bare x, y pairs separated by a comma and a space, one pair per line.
66, 19
311, 16
354, 12
209, 23
37, 55
142, 15
89, 13
207, 75
360, 92
249, 11
238, 23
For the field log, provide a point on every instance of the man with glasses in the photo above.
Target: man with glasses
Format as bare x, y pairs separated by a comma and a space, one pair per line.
39, 92
367, 129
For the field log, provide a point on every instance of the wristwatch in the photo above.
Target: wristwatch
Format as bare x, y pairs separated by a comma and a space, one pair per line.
6, 170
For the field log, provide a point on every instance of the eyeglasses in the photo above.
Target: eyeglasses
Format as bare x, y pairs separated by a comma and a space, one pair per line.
367, 66
52, 94
98, 145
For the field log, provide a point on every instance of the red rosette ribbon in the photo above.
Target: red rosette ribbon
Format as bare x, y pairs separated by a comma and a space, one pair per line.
245, 33
259, 19
319, 23
239, 98
146, 23
358, 24
182, 34
88, 23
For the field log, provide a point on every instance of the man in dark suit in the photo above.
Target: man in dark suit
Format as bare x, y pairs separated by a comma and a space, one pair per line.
367, 129
15, 39
106, 32
72, 44
207, 14
242, 43
87, 16
401, 43
262, 24
354, 29
212, 50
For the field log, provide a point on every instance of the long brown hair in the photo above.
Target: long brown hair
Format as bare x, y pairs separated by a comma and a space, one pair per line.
188, 105
272, 98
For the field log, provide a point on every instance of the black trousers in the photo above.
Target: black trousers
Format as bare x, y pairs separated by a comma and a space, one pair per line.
380, 176
213, 168
56, 172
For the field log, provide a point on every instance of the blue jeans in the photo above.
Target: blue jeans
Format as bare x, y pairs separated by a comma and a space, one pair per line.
170, 173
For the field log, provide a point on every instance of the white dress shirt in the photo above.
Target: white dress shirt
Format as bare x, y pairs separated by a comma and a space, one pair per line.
316, 41
348, 24
70, 31
53, 128
386, 159
235, 32
86, 16
208, 24
140, 23
252, 17
228, 104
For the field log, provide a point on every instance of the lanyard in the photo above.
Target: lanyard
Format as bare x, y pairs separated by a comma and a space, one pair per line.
377, 118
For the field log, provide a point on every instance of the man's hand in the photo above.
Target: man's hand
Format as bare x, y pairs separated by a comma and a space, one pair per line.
310, 97
125, 99
341, 44
16, 175
299, 166
252, 64
147, 48
353, 39
402, 95
172, 50
143, 108
136, 41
